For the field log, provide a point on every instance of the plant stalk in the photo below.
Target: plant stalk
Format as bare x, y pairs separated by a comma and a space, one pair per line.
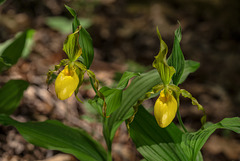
180, 121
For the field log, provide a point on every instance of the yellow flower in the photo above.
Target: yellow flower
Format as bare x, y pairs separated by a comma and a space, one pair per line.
165, 108
66, 83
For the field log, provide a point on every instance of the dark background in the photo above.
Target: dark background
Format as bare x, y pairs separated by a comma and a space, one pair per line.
124, 38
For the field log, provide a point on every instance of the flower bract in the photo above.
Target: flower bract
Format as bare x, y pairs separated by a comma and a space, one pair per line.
165, 108
66, 83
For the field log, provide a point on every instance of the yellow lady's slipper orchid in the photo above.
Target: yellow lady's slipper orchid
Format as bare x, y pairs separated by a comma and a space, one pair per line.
165, 108
66, 83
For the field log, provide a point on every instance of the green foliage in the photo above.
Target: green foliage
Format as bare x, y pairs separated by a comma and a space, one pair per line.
86, 44
62, 24
85, 40
176, 59
137, 89
54, 135
169, 143
153, 142
189, 67
2, 1
160, 63
12, 50
113, 96
11, 94
71, 46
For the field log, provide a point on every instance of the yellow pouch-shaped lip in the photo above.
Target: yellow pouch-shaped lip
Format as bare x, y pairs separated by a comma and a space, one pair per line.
66, 83
165, 109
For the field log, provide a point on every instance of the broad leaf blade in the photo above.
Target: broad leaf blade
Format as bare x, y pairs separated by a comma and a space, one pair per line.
86, 44
11, 94
54, 135
176, 59
137, 89
189, 67
29, 42
12, 50
153, 142
125, 78
193, 142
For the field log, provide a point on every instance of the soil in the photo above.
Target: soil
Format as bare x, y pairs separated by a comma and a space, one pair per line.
124, 32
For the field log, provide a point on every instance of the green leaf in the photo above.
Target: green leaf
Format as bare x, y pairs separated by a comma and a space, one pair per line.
12, 50
86, 44
73, 13
193, 142
85, 40
176, 59
125, 78
71, 46
75, 22
136, 90
2, 1
28, 43
54, 135
169, 143
113, 98
189, 67
156, 143
160, 63
11, 94
61, 24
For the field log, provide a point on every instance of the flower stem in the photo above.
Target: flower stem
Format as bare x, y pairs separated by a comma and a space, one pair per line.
109, 156
180, 121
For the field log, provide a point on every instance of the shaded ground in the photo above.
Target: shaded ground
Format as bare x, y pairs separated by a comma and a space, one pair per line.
122, 31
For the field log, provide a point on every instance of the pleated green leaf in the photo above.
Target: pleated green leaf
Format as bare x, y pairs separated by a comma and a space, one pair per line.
86, 44
169, 143
54, 135
11, 94
193, 142
189, 67
136, 90
125, 78
113, 98
85, 40
155, 143
176, 59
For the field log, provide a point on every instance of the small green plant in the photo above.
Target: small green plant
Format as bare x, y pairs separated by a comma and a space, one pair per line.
156, 137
